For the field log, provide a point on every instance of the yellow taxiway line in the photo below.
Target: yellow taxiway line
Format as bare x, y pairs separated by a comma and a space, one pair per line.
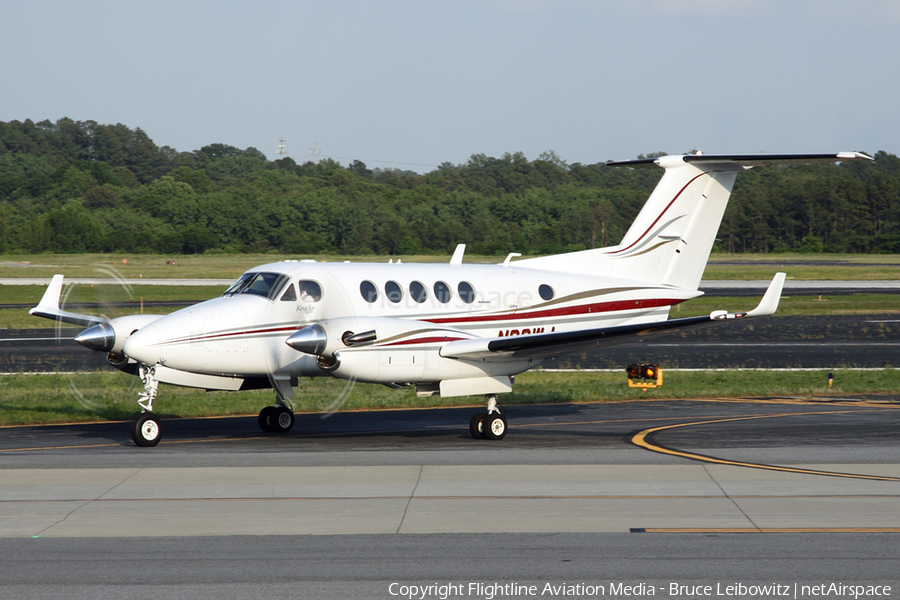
642, 440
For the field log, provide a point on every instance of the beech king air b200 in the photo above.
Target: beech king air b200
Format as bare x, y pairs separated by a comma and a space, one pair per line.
452, 329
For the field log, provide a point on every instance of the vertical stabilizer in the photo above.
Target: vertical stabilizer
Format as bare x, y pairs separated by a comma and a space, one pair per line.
671, 238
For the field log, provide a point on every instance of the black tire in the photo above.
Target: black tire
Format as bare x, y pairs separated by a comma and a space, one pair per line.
145, 430
282, 420
266, 419
475, 425
494, 427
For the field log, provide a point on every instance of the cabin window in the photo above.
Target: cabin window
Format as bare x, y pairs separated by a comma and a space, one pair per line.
442, 292
267, 285
546, 292
290, 295
310, 291
466, 292
418, 291
393, 291
369, 291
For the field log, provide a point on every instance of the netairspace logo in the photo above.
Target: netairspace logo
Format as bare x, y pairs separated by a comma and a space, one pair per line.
723, 591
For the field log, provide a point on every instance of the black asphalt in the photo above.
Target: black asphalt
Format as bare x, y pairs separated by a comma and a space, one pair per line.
847, 429
826, 342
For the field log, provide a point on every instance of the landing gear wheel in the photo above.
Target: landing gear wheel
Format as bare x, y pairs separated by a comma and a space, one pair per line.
476, 425
145, 430
494, 427
266, 419
282, 420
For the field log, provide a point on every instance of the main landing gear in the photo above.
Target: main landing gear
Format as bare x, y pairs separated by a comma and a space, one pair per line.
145, 429
278, 418
490, 425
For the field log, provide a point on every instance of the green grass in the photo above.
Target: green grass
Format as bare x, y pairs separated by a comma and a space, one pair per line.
103, 396
853, 267
229, 266
190, 266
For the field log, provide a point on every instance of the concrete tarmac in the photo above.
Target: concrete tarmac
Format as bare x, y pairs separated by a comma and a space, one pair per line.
712, 466
648, 494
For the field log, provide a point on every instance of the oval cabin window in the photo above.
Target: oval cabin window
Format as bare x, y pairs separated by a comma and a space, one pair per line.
466, 292
369, 291
393, 291
442, 292
418, 291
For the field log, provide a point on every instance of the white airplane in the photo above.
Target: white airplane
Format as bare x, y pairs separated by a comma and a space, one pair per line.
450, 329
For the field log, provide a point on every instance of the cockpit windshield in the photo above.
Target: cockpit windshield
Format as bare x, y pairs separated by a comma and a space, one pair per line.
260, 284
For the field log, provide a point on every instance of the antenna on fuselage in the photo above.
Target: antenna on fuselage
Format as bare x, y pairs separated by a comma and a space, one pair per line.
457, 257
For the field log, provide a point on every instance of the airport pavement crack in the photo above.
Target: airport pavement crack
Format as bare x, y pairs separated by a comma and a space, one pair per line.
412, 495
730, 499
86, 503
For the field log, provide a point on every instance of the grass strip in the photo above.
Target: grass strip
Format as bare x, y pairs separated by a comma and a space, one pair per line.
230, 266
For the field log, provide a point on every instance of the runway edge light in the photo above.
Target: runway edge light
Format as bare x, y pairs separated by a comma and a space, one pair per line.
644, 375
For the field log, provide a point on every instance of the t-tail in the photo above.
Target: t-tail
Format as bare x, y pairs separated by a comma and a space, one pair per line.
670, 240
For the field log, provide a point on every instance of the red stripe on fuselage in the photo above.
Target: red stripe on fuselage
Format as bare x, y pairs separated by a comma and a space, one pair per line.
216, 336
581, 309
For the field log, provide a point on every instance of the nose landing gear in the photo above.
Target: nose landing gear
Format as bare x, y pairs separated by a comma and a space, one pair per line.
145, 429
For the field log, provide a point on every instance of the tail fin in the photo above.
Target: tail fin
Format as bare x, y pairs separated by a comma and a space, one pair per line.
670, 240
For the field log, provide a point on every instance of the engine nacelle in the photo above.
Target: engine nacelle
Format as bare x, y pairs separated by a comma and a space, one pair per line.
110, 336
123, 363
393, 351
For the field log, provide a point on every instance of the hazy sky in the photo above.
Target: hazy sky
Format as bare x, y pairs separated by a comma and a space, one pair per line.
411, 84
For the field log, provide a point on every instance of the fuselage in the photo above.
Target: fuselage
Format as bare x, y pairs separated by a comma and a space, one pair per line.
242, 333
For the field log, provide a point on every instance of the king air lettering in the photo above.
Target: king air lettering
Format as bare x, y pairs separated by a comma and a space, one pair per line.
510, 332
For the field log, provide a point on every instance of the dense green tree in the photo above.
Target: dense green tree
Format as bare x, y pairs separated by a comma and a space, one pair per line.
74, 186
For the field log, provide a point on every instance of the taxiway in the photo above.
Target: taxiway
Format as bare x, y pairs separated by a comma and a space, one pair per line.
342, 507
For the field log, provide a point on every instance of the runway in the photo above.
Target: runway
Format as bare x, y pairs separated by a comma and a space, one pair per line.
342, 507
823, 342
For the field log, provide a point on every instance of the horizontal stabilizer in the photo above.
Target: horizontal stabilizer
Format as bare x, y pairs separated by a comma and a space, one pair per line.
746, 160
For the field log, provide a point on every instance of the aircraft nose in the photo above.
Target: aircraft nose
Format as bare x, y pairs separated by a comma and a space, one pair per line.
143, 346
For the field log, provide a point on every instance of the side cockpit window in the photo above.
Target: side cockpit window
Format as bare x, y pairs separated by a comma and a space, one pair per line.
267, 285
290, 295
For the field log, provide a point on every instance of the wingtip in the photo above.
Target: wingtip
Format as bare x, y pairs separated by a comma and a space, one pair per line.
50, 299
853, 156
769, 303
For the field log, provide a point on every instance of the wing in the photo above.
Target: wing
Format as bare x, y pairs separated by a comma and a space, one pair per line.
550, 345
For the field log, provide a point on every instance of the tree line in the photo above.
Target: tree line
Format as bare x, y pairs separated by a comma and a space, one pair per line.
79, 186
